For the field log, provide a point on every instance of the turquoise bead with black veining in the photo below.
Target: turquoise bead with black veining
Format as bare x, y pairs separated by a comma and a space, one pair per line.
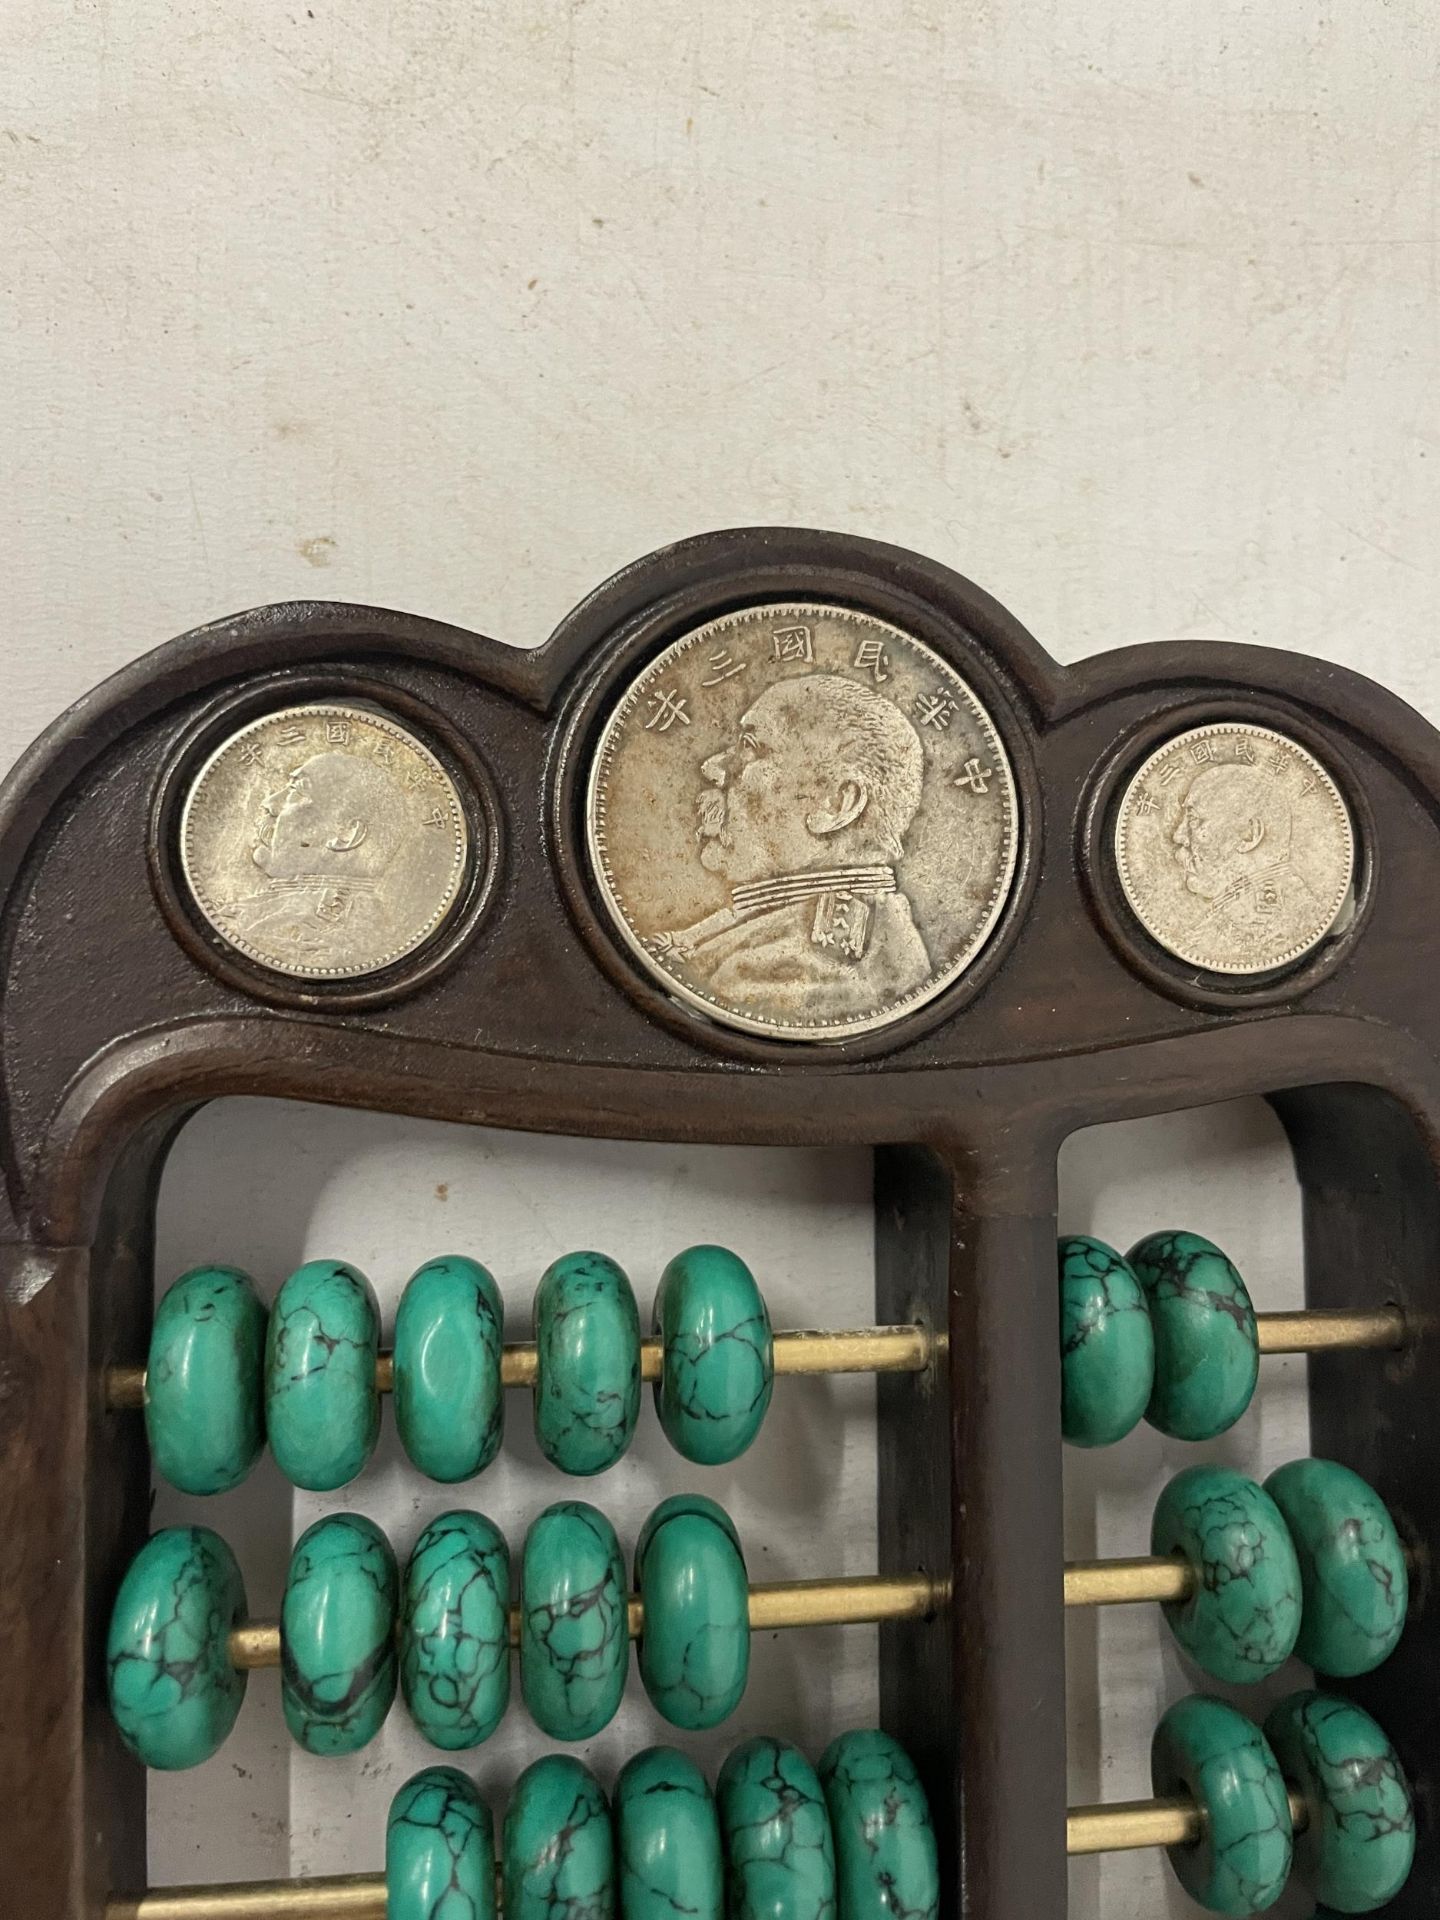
204, 1392
1241, 1620
337, 1634
667, 1836
173, 1690
587, 1355
1207, 1352
718, 1366
449, 1401
1206, 1751
1353, 1575
1357, 1847
321, 1407
439, 1850
1107, 1345
778, 1845
885, 1855
695, 1647
559, 1851
574, 1621
455, 1631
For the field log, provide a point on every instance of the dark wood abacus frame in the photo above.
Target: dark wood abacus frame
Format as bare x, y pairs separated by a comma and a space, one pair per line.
120, 1016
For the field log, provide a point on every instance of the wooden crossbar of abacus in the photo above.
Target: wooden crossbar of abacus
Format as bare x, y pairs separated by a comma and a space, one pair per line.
796, 1351
1123, 1827
887, 1349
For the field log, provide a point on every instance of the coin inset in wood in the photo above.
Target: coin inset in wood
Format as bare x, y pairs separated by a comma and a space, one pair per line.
325, 842
802, 821
1235, 849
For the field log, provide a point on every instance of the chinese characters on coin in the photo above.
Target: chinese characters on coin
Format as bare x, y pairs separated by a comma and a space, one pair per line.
1235, 849
325, 842
802, 821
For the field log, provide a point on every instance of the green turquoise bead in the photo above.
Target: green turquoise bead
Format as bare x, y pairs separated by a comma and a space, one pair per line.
1209, 1753
1107, 1345
1240, 1622
439, 1850
173, 1691
337, 1634
718, 1368
204, 1397
1358, 1845
885, 1854
321, 1407
449, 1401
1207, 1351
455, 1631
574, 1621
1353, 1575
559, 1851
667, 1834
587, 1360
778, 1845
695, 1648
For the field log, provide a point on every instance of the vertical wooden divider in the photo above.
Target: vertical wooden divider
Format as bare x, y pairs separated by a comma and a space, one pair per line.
979, 1696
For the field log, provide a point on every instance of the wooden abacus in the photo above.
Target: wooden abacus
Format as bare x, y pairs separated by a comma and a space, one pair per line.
124, 1010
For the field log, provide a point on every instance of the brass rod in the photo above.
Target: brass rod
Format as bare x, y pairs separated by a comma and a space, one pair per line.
845, 1603
853, 1350
862, 1599
1121, 1583
1126, 1825
890, 1349
351, 1896
797, 1350
124, 1388
1118, 1583
1329, 1327
255, 1645
856, 1600
1121, 1827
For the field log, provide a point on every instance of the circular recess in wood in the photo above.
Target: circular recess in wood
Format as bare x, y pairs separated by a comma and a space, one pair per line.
353, 910
1228, 853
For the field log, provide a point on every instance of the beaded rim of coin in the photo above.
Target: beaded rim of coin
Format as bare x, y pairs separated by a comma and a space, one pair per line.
1000, 770
1323, 923
417, 934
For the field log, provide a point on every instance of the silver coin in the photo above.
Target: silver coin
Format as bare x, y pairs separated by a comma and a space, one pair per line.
802, 821
325, 842
1235, 849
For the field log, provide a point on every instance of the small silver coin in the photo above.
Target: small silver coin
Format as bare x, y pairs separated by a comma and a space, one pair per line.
802, 821
1235, 849
324, 842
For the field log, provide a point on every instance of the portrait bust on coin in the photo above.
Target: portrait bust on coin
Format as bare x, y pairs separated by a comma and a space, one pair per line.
324, 841
845, 865
805, 816
1234, 848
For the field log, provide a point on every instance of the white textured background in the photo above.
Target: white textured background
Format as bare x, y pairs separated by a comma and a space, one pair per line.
1128, 312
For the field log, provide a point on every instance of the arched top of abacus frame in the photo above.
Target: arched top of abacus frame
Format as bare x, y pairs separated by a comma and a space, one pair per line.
117, 1017
297, 634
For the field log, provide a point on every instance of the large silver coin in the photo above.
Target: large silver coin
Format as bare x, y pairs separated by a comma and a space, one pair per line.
802, 821
325, 842
1235, 849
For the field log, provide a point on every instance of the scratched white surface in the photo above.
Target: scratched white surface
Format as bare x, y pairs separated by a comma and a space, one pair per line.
1129, 313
